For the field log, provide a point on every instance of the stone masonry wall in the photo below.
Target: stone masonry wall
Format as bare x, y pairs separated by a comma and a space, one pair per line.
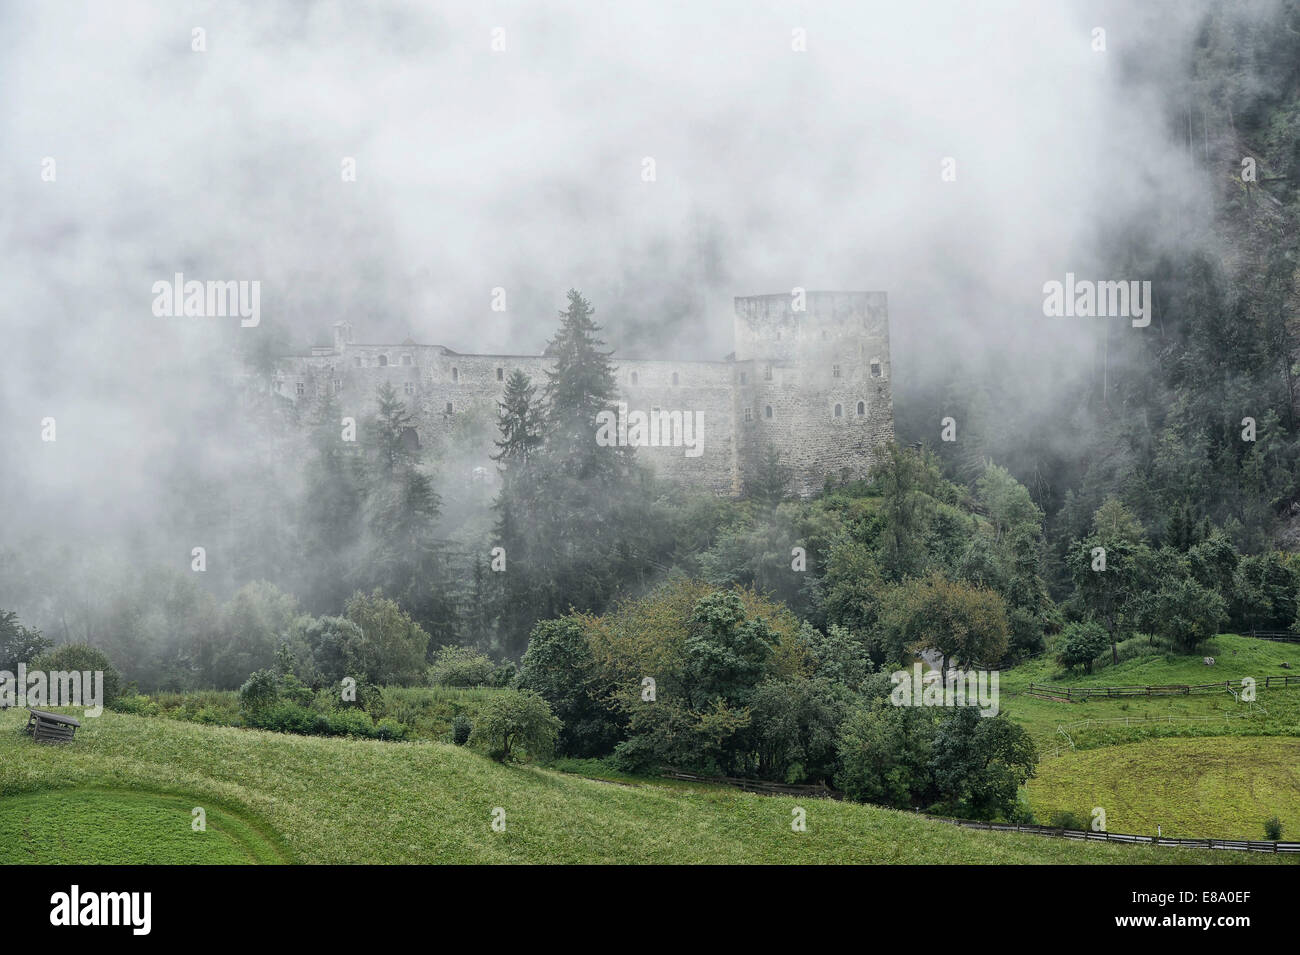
791, 370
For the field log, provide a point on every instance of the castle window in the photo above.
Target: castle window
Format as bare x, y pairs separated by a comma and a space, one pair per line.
835, 371
862, 407
338, 385
406, 359
358, 361
767, 373
633, 378
839, 411
501, 374
383, 361
875, 369
675, 380
301, 388
749, 414
767, 411
455, 374
449, 411
410, 388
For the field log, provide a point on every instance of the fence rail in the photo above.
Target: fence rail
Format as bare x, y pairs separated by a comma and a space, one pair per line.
1278, 636
1073, 693
765, 788
1235, 845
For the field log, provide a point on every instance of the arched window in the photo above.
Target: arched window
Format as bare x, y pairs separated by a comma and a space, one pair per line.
501, 374
839, 411
767, 411
875, 369
383, 360
862, 407
455, 374
449, 408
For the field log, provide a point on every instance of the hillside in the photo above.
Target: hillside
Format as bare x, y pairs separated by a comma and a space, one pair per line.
353, 801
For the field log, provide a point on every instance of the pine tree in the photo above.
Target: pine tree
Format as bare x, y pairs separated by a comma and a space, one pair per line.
578, 388
520, 421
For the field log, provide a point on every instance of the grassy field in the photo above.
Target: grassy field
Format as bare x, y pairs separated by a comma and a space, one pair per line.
312, 799
1276, 713
1197, 765
68, 826
1223, 787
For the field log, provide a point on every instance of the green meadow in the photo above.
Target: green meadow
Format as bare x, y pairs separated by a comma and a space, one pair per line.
126, 788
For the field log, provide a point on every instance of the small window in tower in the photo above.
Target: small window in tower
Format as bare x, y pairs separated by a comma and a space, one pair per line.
383, 361
749, 414
449, 409
409, 387
406, 359
633, 379
767, 373
675, 378
862, 407
767, 411
501, 374
875, 369
301, 388
455, 374
835, 371
839, 411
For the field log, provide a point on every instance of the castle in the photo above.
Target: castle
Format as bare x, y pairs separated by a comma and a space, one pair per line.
810, 375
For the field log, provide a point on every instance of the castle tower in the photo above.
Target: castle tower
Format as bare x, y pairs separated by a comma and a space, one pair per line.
813, 380
342, 336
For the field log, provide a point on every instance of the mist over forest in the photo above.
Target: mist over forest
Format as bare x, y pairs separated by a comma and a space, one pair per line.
522, 169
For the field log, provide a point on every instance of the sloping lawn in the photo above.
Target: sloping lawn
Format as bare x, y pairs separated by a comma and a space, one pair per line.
361, 801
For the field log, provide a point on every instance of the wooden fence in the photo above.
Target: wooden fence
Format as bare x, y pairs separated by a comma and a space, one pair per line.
1076, 693
1278, 636
765, 788
1235, 845
760, 786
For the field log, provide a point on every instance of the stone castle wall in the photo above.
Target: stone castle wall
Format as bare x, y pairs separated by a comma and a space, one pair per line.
790, 371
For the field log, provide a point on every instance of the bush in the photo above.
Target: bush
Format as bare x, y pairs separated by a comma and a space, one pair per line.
1066, 820
1273, 829
82, 657
460, 666
259, 693
1081, 643
461, 728
517, 720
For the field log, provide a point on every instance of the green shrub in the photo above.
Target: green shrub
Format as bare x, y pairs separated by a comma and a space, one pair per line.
460, 666
1066, 820
1273, 829
515, 721
259, 693
82, 657
461, 727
